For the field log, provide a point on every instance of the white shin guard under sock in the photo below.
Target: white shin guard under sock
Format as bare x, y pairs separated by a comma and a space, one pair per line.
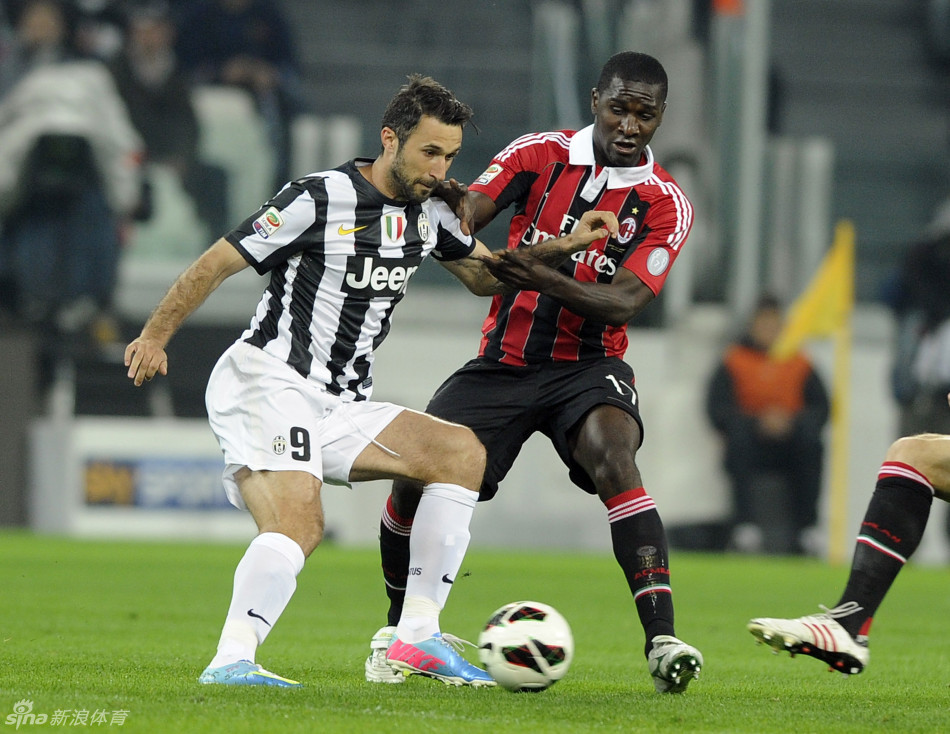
264, 582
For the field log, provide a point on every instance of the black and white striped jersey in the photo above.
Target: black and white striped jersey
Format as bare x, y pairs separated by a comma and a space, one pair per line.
340, 255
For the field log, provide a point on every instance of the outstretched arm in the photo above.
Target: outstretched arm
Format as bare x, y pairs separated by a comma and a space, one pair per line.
145, 355
614, 303
475, 271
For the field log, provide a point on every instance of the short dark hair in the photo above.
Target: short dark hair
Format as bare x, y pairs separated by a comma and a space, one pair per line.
633, 66
423, 95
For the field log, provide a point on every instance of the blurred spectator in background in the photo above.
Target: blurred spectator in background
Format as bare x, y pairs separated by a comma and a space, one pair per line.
70, 174
36, 34
770, 415
158, 96
248, 44
100, 27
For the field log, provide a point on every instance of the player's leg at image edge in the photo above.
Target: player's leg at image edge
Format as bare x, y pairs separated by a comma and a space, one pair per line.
893, 526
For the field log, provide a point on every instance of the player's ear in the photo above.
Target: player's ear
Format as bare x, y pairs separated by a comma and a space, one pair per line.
593, 100
389, 140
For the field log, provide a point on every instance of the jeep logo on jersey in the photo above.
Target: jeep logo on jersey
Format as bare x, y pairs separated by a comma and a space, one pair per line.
379, 277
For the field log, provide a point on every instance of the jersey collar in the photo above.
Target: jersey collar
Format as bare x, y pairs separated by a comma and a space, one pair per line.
581, 153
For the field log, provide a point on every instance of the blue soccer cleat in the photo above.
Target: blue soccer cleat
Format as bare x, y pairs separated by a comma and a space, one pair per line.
437, 657
245, 673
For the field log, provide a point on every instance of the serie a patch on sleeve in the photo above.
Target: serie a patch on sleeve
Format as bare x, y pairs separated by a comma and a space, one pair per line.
493, 170
268, 222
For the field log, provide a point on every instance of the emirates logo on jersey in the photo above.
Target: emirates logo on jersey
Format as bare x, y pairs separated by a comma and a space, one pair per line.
596, 260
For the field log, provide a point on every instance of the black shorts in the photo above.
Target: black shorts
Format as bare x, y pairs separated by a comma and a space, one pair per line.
504, 405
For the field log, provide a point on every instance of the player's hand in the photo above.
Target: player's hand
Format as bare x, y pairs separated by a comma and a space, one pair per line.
454, 194
595, 225
145, 358
518, 269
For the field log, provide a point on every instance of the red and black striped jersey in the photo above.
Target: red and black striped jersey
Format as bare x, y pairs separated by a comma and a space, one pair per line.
551, 179
340, 255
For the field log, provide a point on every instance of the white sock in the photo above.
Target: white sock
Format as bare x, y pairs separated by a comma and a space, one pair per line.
437, 547
264, 581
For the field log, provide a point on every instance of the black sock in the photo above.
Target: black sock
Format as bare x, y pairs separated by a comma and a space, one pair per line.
890, 533
639, 543
394, 553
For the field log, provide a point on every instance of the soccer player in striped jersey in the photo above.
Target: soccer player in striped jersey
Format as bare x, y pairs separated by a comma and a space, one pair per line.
554, 346
289, 401
915, 470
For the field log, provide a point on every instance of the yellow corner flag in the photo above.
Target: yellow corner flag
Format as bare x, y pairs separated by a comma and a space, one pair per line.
824, 310
828, 301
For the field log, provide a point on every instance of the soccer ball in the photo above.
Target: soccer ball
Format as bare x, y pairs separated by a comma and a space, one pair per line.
526, 646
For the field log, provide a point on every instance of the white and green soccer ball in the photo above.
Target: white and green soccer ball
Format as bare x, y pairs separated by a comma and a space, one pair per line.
526, 646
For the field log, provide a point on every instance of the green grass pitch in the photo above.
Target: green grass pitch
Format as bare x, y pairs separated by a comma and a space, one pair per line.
123, 629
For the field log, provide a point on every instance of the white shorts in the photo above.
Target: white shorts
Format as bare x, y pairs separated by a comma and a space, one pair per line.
268, 417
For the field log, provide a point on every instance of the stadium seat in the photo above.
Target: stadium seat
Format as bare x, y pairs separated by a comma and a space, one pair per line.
174, 231
233, 136
318, 143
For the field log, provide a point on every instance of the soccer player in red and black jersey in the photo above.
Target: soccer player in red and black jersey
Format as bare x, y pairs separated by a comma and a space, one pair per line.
551, 355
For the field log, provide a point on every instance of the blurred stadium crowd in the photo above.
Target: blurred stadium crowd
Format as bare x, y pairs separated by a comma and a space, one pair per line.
135, 132
107, 110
